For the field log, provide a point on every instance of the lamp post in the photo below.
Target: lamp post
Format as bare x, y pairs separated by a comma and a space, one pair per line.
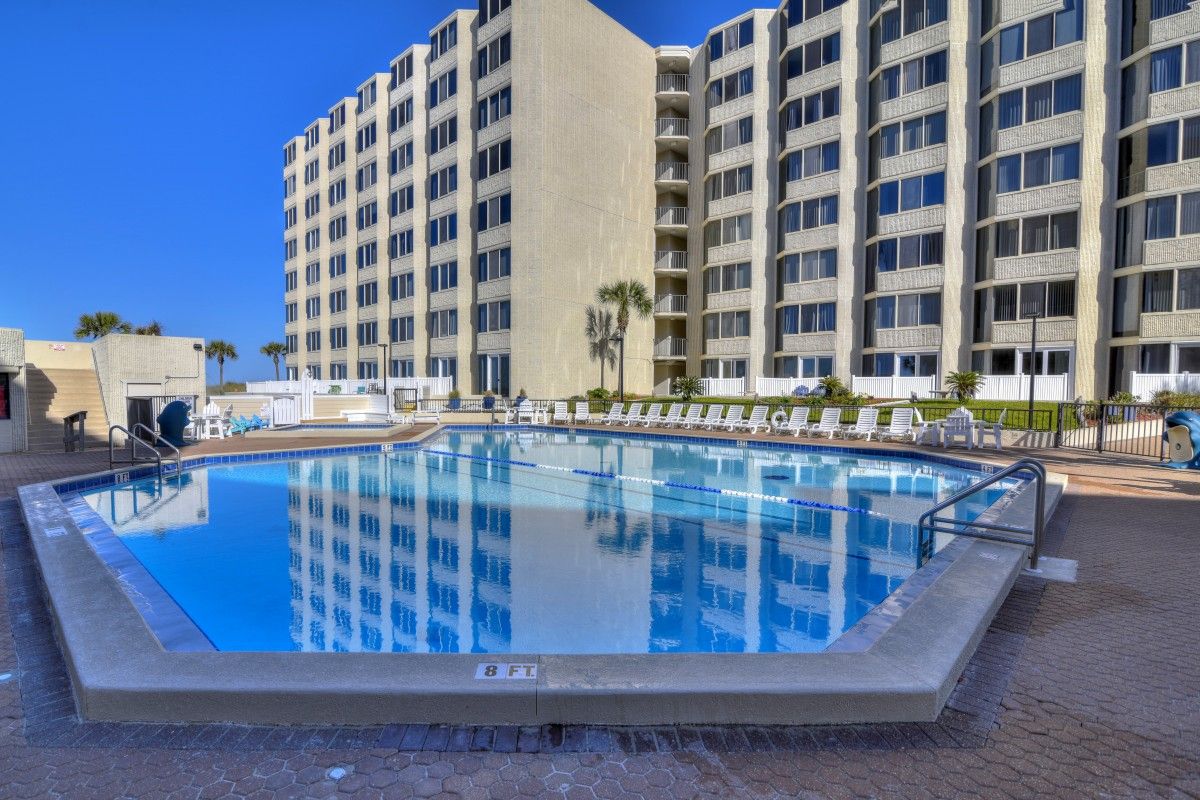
1033, 317
620, 340
387, 350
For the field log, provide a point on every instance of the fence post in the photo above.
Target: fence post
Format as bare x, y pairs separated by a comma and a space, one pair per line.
1058, 427
1100, 427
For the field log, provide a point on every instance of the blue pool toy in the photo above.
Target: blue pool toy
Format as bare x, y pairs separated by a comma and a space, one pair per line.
1183, 439
171, 422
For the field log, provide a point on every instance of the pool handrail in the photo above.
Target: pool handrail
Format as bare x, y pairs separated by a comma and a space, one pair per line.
930, 523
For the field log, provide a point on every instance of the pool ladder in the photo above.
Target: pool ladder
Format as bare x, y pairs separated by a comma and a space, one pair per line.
930, 523
134, 442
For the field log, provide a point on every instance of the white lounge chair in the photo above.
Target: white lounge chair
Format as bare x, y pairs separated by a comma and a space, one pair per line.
634, 414
426, 417
692, 419
713, 418
733, 417
560, 412
653, 416
901, 426
993, 429
795, 424
958, 428
674, 416
527, 413
615, 414
864, 426
583, 413
758, 419
831, 417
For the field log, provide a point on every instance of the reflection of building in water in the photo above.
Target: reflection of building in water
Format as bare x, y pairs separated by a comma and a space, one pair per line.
150, 507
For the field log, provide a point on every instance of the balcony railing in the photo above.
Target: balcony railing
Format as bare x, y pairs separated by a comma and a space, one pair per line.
671, 215
671, 126
670, 347
670, 304
671, 259
673, 82
671, 171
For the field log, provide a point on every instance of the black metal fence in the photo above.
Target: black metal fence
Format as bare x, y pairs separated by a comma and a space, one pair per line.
1134, 429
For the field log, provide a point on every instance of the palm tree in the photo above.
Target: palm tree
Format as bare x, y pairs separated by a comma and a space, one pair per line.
152, 328
274, 351
628, 297
599, 332
100, 324
964, 385
221, 350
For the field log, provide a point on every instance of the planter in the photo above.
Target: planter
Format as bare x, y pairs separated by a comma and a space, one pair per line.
454, 403
489, 403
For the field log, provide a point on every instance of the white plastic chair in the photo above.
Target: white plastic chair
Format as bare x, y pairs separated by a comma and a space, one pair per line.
864, 426
653, 416
794, 424
959, 428
901, 426
633, 415
615, 414
583, 413
758, 419
831, 421
693, 416
713, 418
993, 429
560, 412
674, 416
733, 417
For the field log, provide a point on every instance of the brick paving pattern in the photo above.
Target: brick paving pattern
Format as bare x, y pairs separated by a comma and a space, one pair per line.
1078, 690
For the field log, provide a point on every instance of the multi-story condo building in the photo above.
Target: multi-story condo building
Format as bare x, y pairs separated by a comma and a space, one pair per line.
834, 187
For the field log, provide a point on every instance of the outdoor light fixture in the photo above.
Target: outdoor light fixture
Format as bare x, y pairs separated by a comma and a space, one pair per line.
1033, 317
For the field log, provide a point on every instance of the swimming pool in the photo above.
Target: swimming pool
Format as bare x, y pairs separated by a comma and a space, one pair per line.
532, 541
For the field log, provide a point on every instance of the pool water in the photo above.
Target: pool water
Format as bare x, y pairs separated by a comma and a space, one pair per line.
451, 548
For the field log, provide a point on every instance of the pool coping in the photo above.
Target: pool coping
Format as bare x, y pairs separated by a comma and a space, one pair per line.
121, 672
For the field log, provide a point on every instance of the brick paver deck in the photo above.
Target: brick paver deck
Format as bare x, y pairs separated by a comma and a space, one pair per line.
1088, 690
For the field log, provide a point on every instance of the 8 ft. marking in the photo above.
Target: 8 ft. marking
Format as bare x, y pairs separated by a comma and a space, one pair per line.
487, 671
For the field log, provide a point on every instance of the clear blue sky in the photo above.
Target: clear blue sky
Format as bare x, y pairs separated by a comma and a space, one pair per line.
143, 148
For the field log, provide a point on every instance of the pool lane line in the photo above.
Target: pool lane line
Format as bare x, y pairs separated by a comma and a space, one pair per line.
795, 501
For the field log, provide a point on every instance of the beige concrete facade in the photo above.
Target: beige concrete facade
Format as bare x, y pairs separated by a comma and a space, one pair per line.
14, 422
847, 188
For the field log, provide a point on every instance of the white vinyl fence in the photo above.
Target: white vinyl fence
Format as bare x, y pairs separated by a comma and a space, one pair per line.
783, 387
723, 387
1047, 388
426, 387
1145, 384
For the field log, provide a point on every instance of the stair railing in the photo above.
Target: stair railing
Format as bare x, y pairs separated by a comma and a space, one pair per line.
71, 437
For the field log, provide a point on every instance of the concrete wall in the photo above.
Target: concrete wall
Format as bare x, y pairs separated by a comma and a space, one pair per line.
12, 362
145, 366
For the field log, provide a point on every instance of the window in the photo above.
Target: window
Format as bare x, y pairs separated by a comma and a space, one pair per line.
908, 310
1040, 101
1042, 34
368, 294
368, 370
731, 134
312, 207
1162, 144
368, 333
401, 329
443, 182
813, 265
810, 56
365, 138
728, 183
337, 118
400, 115
912, 75
337, 301
1036, 234
909, 135
337, 371
442, 135
727, 278
807, 214
337, 338
312, 341
443, 40
366, 255
368, 215
493, 316
400, 159
443, 229
289, 312
289, 217
443, 276
723, 368
312, 170
495, 106
312, 239
811, 108
1040, 167
920, 14
443, 87
289, 249
490, 8
1187, 292
403, 368
312, 307
799, 10
337, 228
905, 252
727, 231
337, 265
494, 54
907, 194
735, 37
402, 70
727, 325
366, 97
400, 244
494, 264
337, 155
400, 201
495, 211
365, 176
495, 159
289, 154
803, 366
289, 186
806, 163
806, 318
400, 287
443, 323
730, 87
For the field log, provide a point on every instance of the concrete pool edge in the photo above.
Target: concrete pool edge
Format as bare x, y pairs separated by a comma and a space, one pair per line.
121, 673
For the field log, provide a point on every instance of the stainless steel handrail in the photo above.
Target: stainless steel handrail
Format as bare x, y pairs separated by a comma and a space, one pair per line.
930, 523
132, 440
158, 438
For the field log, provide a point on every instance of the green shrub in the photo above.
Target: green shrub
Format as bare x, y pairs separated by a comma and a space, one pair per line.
599, 393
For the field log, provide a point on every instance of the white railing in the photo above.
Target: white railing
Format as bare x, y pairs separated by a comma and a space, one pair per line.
671, 171
670, 259
427, 387
673, 82
1145, 384
1047, 388
894, 386
671, 304
723, 387
274, 387
670, 347
671, 126
783, 387
671, 215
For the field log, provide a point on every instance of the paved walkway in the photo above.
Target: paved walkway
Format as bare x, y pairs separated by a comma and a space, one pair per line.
1087, 690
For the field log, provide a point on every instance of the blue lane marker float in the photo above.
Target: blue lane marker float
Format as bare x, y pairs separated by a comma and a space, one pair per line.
794, 501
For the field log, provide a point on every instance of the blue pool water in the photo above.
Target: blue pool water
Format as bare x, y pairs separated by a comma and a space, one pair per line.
449, 548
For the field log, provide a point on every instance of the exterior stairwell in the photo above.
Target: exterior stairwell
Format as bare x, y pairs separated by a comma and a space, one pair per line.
53, 394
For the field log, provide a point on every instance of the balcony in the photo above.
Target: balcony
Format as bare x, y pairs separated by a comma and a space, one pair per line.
671, 172
671, 262
671, 219
670, 305
672, 83
670, 348
671, 127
